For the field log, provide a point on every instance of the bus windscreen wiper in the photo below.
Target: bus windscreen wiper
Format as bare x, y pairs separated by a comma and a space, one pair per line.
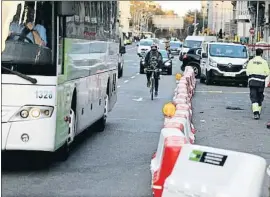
32, 80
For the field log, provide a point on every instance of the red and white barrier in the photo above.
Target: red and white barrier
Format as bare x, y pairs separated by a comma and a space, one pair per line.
178, 130
170, 151
180, 168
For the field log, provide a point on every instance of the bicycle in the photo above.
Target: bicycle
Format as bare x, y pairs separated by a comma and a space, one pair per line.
152, 80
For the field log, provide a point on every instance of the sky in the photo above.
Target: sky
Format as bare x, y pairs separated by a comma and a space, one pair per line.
180, 7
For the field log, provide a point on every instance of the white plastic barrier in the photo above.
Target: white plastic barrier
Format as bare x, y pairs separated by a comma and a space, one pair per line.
210, 172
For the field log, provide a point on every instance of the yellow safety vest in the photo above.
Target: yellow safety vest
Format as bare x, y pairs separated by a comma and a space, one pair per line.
257, 69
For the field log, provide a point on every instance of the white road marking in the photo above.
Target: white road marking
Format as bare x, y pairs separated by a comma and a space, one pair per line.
118, 86
123, 119
139, 99
126, 81
132, 77
220, 92
209, 91
129, 61
137, 73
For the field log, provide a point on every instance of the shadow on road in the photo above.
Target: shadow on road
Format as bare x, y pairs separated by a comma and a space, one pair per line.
27, 161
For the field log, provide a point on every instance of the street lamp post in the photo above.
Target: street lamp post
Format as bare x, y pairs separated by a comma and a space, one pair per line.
222, 15
257, 21
203, 19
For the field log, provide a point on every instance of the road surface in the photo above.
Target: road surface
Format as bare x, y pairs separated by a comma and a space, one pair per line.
116, 163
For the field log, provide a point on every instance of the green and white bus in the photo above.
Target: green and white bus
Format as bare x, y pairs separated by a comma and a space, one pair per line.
60, 77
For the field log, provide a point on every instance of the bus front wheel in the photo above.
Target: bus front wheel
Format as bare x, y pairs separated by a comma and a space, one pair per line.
65, 149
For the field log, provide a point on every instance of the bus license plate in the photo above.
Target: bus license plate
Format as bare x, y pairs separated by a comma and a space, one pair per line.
229, 74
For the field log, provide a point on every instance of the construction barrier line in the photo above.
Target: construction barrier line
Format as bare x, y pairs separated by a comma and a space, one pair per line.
177, 131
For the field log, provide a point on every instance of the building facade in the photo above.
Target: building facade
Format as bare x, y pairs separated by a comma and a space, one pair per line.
219, 13
124, 12
242, 18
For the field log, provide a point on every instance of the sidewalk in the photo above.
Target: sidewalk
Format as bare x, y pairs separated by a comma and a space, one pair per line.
267, 93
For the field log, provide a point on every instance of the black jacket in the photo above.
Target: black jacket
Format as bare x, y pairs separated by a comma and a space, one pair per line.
159, 59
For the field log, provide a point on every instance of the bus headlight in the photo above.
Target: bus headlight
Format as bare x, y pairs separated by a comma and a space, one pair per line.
24, 113
167, 64
33, 112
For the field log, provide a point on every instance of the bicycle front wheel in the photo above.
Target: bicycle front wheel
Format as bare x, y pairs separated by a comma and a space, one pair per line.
152, 88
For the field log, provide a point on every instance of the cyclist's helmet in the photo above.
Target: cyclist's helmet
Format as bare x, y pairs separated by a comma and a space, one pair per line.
154, 47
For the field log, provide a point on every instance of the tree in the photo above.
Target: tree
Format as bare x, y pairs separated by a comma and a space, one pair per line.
189, 19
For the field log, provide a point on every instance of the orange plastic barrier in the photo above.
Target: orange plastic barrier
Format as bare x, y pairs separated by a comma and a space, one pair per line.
172, 148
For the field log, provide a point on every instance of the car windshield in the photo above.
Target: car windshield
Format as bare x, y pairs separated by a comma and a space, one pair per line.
146, 43
192, 43
175, 44
164, 54
232, 51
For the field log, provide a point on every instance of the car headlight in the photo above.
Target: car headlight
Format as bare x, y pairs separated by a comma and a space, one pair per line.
167, 64
212, 63
245, 65
143, 62
32, 113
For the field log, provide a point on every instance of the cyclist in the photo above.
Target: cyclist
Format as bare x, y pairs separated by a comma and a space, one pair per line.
153, 57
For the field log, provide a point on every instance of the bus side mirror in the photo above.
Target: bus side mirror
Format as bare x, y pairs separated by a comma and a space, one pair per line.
66, 8
122, 50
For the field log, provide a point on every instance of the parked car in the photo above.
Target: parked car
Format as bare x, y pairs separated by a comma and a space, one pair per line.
192, 58
128, 41
195, 42
167, 63
224, 62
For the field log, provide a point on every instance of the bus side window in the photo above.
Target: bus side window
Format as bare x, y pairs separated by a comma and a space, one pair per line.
60, 60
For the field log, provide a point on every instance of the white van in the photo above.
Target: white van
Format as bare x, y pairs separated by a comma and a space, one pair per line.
224, 61
195, 42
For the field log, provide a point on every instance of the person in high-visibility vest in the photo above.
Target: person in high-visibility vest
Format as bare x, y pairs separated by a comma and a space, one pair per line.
257, 71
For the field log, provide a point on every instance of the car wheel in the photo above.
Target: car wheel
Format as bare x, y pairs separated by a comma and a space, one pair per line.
141, 70
169, 71
208, 81
245, 84
202, 80
196, 68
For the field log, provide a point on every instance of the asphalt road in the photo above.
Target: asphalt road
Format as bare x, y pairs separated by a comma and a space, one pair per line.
116, 163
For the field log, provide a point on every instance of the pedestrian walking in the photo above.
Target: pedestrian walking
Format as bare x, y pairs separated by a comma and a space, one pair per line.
257, 71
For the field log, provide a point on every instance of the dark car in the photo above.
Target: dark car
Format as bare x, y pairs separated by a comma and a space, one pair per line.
175, 47
192, 58
167, 63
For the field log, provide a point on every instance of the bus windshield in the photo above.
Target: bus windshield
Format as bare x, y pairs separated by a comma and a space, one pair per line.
231, 51
192, 43
33, 54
